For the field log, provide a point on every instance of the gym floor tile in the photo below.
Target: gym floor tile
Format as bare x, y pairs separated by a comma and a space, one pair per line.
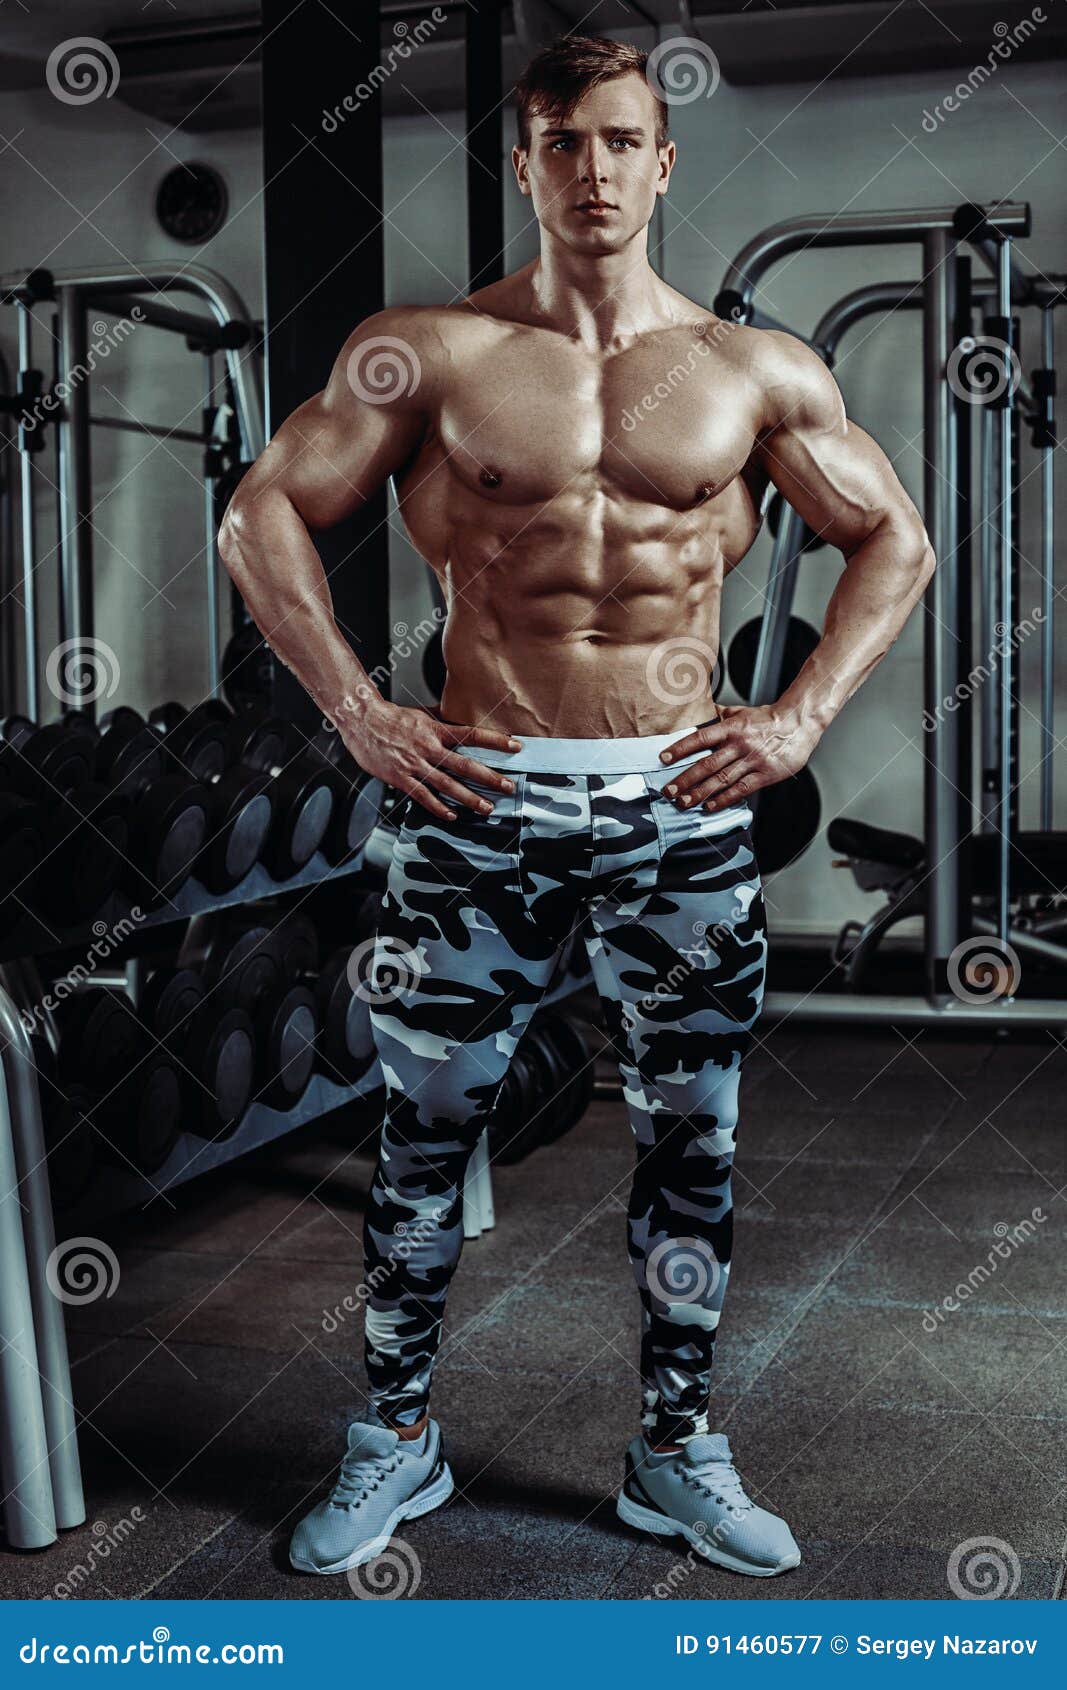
894, 1476
1024, 1142
776, 1188
879, 1271
907, 1050
148, 1283
962, 1200
827, 1571
880, 1090
1002, 1364
842, 1134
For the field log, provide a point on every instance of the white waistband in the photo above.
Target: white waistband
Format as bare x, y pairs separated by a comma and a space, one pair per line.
545, 754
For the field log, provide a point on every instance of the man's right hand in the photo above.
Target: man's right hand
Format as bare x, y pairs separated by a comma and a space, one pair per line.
410, 749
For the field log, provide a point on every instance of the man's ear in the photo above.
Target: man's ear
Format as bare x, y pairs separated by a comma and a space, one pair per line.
667, 156
520, 160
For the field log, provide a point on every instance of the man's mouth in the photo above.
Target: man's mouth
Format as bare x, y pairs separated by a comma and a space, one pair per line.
595, 208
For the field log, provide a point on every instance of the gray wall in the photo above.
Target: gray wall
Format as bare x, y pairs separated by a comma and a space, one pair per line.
78, 186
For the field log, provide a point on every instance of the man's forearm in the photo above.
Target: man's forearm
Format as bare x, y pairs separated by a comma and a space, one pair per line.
883, 580
274, 565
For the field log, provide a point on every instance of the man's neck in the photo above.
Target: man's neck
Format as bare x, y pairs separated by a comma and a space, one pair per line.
603, 302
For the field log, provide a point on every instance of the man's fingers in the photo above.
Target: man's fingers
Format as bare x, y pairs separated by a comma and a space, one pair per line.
703, 771
743, 779
467, 767
426, 798
489, 737
701, 739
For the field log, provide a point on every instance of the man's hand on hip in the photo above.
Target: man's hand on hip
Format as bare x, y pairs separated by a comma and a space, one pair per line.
748, 747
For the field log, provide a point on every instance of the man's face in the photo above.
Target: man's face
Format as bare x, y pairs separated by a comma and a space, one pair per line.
594, 177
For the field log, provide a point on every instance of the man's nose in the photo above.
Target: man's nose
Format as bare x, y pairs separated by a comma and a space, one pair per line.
594, 165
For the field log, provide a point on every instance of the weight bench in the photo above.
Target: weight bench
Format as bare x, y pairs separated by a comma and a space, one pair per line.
884, 861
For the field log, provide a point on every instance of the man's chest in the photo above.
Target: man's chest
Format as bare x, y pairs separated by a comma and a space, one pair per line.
669, 423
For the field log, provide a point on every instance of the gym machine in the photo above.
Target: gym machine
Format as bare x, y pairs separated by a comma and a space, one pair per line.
939, 876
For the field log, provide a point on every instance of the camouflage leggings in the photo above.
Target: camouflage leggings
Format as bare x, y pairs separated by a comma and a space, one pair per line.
476, 914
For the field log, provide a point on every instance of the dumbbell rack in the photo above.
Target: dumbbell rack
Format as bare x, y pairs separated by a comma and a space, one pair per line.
38, 1446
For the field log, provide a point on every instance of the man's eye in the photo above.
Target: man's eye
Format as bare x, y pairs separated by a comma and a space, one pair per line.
621, 141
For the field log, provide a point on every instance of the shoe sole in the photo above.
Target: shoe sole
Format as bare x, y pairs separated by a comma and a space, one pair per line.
661, 1525
423, 1502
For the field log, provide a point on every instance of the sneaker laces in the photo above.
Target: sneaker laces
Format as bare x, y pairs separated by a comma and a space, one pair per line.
361, 1474
716, 1476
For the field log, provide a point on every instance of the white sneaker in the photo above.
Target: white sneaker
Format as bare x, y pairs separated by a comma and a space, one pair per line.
383, 1479
698, 1495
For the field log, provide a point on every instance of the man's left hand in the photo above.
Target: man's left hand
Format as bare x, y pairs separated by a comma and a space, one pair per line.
748, 747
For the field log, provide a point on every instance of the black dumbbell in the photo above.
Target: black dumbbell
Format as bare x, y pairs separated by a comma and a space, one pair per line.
346, 1047
213, 1047
301, 785
135, 1087
21, 855
250, 972
241, 800
166, 810
348, 825
69, 1135
43, 763
79, 833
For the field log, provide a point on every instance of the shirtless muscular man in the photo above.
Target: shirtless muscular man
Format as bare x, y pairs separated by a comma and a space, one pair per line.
581, 527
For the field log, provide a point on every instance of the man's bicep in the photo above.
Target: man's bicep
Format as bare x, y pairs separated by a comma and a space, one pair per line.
338, 448
828, 468
838, 478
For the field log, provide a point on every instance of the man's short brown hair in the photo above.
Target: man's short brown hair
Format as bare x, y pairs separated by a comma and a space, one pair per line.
555, 80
